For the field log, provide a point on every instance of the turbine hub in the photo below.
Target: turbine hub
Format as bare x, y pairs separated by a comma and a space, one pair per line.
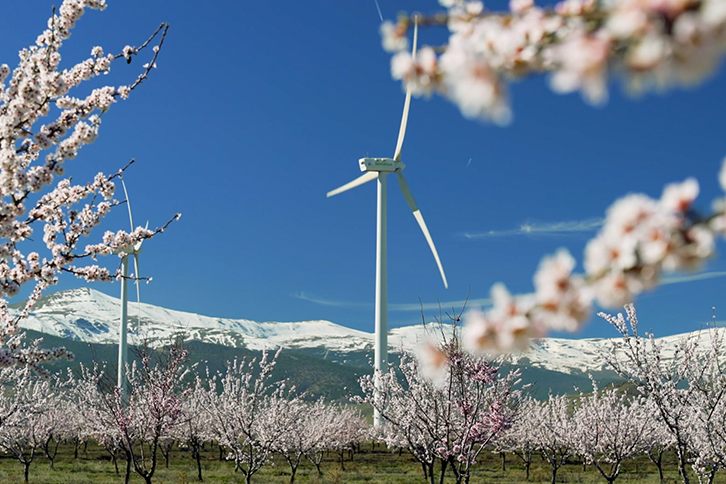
379, 164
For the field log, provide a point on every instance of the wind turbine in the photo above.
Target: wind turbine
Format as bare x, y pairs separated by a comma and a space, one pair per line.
379, 168
123, 382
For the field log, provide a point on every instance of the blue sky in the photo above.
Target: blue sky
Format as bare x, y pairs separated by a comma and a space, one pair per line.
257, 109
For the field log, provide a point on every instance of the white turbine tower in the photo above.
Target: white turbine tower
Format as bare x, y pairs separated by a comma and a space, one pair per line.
379, 168
123, 329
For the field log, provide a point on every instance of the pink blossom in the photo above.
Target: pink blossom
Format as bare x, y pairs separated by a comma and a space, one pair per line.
582, 61
394, 38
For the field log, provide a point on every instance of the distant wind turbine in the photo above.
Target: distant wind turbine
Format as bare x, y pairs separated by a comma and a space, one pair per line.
123, 330
379, 168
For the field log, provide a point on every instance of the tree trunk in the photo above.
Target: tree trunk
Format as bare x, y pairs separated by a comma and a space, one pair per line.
682, 462
712, 474
128, 468
293, 469
657, 461
196, 453
504, 461
115, 462
443, 471
27, 470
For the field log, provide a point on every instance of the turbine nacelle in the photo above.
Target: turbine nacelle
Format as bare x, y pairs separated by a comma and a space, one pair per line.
380, 164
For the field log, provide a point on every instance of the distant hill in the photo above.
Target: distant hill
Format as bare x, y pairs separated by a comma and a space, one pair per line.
320, 357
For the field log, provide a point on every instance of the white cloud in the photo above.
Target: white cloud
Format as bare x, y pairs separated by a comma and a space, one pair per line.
393, 306
535, 228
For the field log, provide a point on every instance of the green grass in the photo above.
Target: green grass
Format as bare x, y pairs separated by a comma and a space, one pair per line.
375, 464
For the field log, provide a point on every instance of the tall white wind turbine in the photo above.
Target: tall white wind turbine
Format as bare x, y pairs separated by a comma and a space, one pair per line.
123, 329
379, 168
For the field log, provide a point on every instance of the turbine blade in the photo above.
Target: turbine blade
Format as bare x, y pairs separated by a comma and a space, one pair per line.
406, 190
407, 104
419, 218
364, 178
128, 204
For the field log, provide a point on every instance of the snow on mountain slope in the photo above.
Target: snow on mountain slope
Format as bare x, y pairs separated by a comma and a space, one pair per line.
91, 316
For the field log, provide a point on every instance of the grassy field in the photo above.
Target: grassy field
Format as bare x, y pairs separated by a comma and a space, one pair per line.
375, 464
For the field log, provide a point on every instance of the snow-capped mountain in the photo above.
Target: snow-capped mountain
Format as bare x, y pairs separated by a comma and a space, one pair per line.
91, 316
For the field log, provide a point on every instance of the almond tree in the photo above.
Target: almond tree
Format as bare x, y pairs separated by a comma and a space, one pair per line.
242, 405
93, 390
43, 127
135, 424
330, 427
154, 406
348, 429
308, 430
611, 427
687, 389
660, 441
194, 429
551, 425
708, 409
518, 439
297, 424
22, 409
450, 421
61, 425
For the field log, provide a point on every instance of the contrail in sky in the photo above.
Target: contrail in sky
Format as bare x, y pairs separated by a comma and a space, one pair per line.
378, 7
532, 228
392, 306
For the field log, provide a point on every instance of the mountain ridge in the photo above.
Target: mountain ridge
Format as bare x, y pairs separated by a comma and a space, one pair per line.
91, 316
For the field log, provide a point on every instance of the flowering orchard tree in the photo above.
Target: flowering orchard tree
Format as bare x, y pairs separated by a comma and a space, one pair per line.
195, 428
518, 438
309, 429
24, 426
92, 391
42, 127
329, 427
660, 441
348, 429
649, 45
242, 405
62, 425
450, 420
296, 423
687, 390
552, 427
611, 427
709, 414
137, 423
154, 407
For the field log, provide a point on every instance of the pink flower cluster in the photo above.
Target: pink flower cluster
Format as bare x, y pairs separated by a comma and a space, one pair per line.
641, 239
649, 44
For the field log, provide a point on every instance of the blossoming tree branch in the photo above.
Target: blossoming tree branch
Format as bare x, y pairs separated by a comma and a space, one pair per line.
579, 44
42, 127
